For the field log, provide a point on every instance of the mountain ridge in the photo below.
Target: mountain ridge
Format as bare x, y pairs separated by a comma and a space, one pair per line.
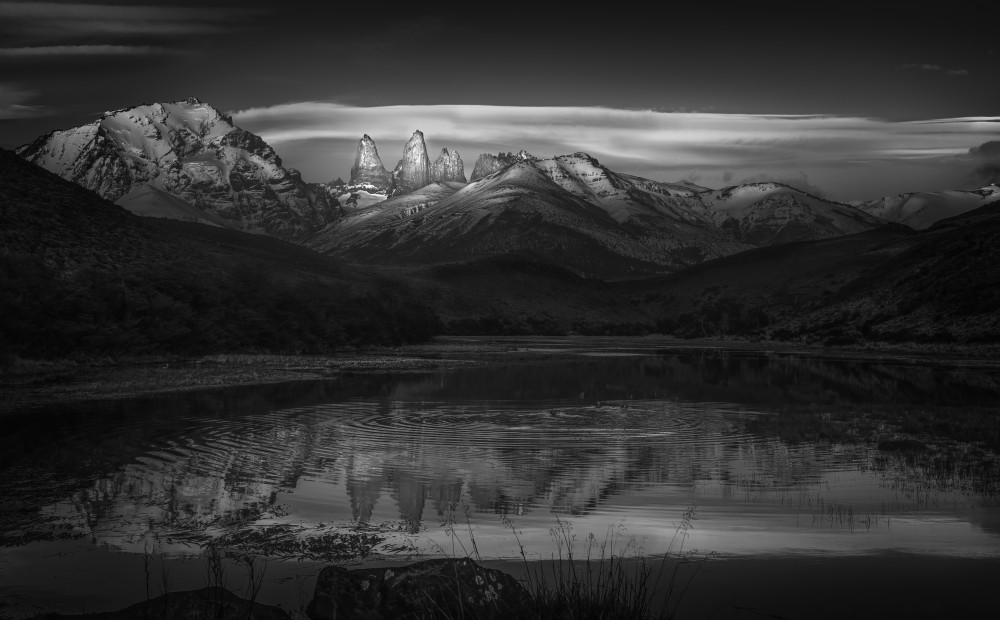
636, 225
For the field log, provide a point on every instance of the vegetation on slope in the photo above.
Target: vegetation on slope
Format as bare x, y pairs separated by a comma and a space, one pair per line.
81, 275
886, 285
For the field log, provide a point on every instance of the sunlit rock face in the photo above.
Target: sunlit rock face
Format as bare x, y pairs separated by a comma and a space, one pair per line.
368, 168
185, 160
448, 167
414, 170
487, 163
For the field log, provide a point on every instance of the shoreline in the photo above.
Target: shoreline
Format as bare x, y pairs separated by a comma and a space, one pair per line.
29, 384
64, 382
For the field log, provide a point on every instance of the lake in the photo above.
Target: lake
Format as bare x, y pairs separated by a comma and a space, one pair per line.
802, 485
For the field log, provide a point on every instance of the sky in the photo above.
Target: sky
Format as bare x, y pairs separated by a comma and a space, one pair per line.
850, 100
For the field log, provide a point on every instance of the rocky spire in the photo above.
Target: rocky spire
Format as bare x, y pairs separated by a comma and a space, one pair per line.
487, 163
368, 168
414, 170
448, 167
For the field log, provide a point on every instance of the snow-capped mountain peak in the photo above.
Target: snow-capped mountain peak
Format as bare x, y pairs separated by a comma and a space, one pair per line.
189, 151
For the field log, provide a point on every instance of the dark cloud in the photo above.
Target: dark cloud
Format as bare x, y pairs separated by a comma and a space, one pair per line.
14, 102
56, 24
987, 162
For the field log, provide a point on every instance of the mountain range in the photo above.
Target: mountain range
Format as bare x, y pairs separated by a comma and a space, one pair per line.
187, 160
528, 244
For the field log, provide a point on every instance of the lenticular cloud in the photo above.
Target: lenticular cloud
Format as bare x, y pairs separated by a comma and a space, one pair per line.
646, 142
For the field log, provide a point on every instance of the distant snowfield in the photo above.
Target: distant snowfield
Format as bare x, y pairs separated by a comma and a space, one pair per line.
844, 158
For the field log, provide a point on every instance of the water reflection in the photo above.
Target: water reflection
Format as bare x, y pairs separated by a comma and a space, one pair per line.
596, 439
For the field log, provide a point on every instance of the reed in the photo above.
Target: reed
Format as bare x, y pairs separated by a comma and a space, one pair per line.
609, 579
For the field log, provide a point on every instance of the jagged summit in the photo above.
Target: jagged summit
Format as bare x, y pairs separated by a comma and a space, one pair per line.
368, 168
448, 167
414, 170
487, 164
185, 160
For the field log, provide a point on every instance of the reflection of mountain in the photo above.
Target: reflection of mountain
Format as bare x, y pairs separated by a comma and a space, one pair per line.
558, 459
579, 436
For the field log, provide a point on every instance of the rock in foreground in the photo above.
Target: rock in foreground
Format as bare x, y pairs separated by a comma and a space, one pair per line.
443, 588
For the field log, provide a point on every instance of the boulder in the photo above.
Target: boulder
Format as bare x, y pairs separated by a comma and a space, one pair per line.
446, 588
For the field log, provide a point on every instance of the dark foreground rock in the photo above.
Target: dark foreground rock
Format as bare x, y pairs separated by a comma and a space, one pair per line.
215, 603
443, 588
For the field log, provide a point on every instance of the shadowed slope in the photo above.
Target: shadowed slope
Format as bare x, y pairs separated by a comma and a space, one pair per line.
889, 284
82, 275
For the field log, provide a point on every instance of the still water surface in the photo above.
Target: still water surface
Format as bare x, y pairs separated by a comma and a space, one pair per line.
773, 454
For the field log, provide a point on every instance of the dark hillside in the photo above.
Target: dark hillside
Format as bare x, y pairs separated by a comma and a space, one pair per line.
518, 295
946, 288
889, 285
754, 291
79, 274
